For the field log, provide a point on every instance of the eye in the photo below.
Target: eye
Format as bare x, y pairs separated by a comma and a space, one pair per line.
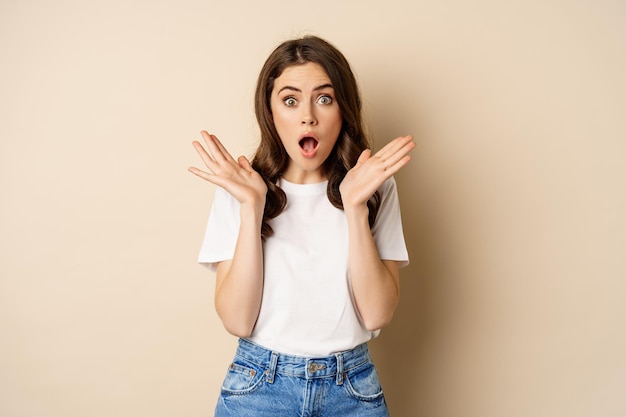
325, 100
290, 101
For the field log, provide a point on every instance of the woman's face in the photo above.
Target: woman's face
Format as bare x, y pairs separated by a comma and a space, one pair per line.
307, 119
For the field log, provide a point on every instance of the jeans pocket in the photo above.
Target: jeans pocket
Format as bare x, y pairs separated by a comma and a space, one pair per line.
363, 384
242, 378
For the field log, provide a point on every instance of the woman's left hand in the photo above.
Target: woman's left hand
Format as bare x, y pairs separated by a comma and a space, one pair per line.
371, 171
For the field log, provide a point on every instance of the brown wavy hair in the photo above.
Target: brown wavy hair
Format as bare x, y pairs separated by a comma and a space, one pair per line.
271, 158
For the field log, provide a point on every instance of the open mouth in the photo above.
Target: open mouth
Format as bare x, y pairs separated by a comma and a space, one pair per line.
308, 145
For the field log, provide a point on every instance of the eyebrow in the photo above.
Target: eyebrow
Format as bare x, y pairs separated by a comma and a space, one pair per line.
319, 87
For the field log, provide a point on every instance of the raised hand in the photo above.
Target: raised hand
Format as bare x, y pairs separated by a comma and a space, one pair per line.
236, 177
370, 171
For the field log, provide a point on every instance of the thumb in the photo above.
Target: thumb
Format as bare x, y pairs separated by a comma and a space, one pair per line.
244, 163
365, 155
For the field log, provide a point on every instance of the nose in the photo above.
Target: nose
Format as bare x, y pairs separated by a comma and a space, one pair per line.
308, 116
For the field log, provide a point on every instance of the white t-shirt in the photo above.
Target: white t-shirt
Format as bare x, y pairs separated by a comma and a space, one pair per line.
307, 307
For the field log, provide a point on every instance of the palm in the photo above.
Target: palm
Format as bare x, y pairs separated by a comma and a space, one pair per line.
235, 176
370, 171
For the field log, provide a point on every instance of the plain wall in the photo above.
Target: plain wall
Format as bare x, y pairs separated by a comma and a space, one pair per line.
514, 203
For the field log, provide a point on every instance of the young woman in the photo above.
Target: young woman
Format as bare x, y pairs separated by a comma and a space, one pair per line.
306, 242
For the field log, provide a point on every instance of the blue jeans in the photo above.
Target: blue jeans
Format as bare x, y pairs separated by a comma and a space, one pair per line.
263, 383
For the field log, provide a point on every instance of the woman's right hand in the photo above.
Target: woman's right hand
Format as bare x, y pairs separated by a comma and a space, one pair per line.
239, 281
235, 176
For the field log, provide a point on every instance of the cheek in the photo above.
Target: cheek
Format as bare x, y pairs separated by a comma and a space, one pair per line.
282, 124
335, 121
281, 119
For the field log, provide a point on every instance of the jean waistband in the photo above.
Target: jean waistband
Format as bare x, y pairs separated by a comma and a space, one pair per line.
301, 366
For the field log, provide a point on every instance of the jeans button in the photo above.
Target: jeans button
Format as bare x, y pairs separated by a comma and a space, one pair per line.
314, 367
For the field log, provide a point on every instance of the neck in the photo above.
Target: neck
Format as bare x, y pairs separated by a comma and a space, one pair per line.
304, 177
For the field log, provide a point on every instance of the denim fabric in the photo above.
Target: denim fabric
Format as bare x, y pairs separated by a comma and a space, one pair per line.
263, 383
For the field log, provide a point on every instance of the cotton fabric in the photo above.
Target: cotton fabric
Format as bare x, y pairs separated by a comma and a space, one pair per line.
307, 307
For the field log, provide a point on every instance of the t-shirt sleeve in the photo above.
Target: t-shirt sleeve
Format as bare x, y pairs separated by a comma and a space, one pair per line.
222, 230
387, 231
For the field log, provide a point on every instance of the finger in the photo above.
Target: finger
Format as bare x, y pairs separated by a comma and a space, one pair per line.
244, 163
222, 149
365, 155
398, 155
200, 173
391, 170
213, 179
213, 147
393, 146
204, 155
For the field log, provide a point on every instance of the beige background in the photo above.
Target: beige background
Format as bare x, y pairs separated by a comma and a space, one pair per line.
514, 205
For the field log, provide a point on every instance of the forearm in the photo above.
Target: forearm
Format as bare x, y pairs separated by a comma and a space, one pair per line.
239, 287
375, 283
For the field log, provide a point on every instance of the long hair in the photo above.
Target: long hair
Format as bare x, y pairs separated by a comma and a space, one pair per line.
271, 158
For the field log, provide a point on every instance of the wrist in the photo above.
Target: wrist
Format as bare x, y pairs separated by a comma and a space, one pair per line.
356, 211
252, 210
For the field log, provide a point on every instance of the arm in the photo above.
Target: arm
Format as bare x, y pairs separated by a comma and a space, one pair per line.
375, 282
239, 281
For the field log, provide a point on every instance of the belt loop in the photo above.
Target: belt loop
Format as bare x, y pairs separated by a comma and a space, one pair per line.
339, 376
271, 371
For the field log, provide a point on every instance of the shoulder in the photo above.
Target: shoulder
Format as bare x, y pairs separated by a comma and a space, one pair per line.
388, 188
389, 202
224, 198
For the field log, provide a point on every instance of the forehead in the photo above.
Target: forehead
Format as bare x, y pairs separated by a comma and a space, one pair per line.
301, 76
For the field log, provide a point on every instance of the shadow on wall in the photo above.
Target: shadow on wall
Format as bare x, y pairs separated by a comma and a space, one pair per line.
403, 352
404, 349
